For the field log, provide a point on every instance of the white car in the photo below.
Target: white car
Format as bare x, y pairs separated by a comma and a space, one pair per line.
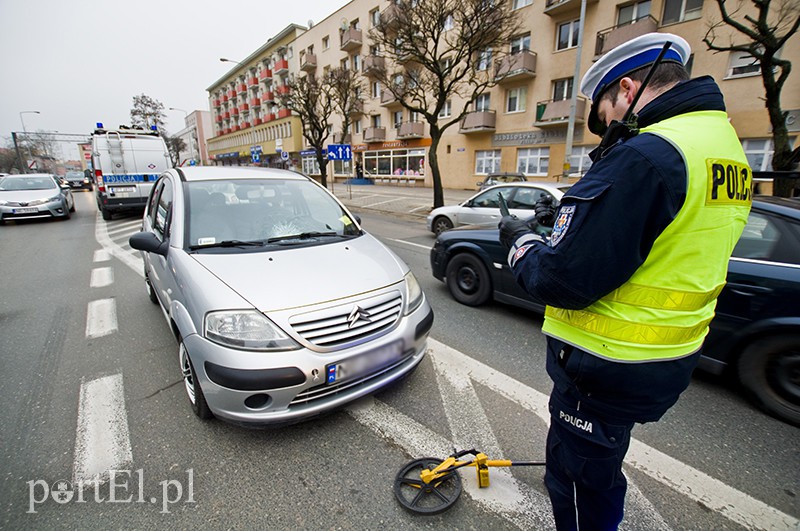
34, 195
483, 208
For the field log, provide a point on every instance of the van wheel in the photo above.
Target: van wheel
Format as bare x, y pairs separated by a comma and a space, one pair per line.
468, 280
769, 369
106, 214
192, 386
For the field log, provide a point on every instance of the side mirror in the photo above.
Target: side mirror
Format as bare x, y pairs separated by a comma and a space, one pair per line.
149, 242
479, 183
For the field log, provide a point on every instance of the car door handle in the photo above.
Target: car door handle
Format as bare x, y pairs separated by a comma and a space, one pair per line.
749, 290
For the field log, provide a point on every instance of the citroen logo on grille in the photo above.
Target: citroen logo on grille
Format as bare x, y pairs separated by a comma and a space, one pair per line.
356, 315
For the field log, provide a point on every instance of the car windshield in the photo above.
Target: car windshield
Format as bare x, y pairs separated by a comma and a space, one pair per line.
239, 213
27, 183
74, 175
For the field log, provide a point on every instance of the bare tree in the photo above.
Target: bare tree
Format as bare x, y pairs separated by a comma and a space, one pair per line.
761, 30
434, 48
345, 90
146, 112
310, 98
175, 145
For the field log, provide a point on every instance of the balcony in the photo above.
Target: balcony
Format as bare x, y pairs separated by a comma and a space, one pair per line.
224, 98
389, 14
308, 62
258, 121
265, 75
267, 96
244, 108
357, 108
610, 38
374, 134
284, 113
217, 102
218, 118
556, 8
556, 112
252, 81
283, 90
226, 131
227, 115
268, 117
374, 64
231, 94
236, 128
340, 138
411, 130
242, 88
516, 66
235, 111
388, 99
255, 103
478, 122
245, 125
281, 66
351, 39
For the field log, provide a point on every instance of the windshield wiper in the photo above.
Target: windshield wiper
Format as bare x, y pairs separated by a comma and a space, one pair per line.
228, 243
301, 236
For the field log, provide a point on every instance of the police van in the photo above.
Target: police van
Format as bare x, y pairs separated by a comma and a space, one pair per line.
126, 163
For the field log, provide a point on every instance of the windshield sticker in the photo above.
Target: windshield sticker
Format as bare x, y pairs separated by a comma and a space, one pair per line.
206, 241
562, 224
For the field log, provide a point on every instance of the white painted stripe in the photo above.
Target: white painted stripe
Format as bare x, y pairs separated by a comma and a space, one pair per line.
735, 505
102, 441
101, 255
101, 318
426, 247
384, 202
101, 277
128, 227
131, 259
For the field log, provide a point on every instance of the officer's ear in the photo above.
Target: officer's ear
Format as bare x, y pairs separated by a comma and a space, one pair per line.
627, 89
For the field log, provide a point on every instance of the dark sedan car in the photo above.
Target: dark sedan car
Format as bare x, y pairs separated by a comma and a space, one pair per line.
755, 334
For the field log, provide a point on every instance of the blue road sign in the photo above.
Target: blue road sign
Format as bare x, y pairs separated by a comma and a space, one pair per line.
340, 152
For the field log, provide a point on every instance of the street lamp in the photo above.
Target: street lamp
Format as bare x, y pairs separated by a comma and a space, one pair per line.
186, 125
26, 133
224, 60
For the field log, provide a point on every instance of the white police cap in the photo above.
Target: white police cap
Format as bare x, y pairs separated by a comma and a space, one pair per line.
625, 58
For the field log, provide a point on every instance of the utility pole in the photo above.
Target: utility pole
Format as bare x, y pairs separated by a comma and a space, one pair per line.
573, 104
19, 155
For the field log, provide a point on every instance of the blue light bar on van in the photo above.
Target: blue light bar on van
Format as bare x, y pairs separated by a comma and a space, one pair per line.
153, 128
99, 125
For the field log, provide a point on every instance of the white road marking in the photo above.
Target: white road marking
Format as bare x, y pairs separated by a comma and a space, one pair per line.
384, 202
130, 258
426, 247
101, 255
101, 277
101, 318
735, 505
102, 440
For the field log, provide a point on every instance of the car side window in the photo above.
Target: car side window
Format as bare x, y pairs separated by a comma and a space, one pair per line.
153, 201
163, 210
489, 198
769, 238
526, 198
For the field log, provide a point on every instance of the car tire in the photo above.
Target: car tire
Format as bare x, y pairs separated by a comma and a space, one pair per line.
193, 390
149, 286
441, 224
468, 280
769, 368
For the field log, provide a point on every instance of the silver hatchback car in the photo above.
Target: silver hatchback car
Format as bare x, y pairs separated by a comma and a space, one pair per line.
283, 307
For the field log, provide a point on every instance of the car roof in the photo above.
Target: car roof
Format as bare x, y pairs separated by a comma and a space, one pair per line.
29, 175
531, 184
789, 207
213, 173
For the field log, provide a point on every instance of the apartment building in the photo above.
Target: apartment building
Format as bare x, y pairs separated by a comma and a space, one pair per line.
520, 124
197, 129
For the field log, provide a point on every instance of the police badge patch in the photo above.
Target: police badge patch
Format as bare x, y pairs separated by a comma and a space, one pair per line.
562, 224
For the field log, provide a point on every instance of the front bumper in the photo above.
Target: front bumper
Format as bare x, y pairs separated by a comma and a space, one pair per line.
274, 388
53, 209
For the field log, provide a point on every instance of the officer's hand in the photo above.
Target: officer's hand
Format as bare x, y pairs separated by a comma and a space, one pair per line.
546, 208
511, 228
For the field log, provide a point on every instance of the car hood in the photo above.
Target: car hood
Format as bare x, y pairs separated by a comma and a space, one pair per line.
302, 276
26, 196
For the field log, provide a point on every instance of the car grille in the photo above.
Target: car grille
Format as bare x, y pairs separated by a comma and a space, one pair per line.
350, 323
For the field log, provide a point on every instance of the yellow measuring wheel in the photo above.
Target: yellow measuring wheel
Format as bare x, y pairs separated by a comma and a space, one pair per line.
431, 486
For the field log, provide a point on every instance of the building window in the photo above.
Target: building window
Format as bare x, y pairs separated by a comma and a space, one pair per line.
446, 110
521, 3
449, 23
345, 64
515, 99
376, 89
521, 43
482, 103
487, 162
356, 60
397, 119
395, 162
342, 167
562, 89
376, 120
567, 35
310, 165
326, 42
742, 64
375, 17
681, 10
533, 161
579, 161
484, 60
633, 12
759, 153
357, 127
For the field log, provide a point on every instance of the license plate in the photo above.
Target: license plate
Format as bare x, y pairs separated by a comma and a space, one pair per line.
123, 189
26, 210
364, 363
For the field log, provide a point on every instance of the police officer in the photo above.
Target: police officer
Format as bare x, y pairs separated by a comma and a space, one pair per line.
633, 267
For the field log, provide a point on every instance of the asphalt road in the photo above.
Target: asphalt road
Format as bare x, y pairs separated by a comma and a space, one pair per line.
714, 462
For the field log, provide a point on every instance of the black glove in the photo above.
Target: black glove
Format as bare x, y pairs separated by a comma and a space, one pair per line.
511, 228
545, 209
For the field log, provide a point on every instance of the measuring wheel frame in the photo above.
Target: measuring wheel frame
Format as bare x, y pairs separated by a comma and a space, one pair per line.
431, 498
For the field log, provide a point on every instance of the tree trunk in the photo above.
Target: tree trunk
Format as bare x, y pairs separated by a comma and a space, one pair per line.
322, 161
433, 166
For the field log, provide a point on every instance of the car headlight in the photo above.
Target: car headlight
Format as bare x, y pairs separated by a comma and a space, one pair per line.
413, 293
247, 330
3, 203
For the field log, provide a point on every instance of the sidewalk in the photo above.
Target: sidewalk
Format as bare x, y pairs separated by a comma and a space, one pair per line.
405, 201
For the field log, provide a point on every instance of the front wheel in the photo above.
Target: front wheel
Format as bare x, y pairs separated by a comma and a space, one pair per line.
468, 280
195, 393
769, 369
441, 224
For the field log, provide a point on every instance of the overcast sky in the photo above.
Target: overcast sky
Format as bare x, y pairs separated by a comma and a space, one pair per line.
79, 62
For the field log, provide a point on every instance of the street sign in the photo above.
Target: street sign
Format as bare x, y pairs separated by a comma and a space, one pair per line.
284, 155
255, 154
340, 152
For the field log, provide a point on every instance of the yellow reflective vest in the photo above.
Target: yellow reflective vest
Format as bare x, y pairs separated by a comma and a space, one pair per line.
662, 312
